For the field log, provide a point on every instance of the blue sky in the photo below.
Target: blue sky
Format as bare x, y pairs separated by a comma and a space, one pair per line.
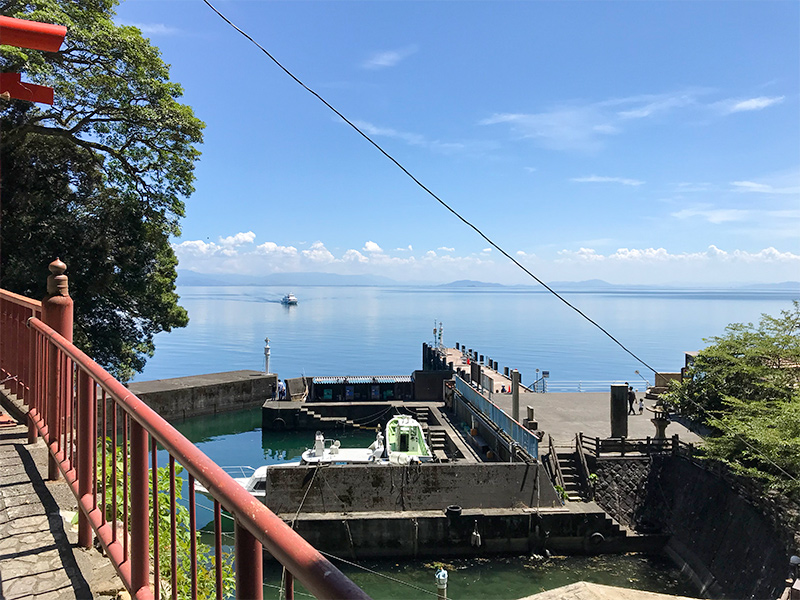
636, 142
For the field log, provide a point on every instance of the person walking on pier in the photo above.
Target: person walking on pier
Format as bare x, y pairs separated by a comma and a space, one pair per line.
631, 400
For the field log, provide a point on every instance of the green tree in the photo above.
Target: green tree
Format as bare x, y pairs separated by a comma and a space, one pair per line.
746, 387
97, 179
749, 363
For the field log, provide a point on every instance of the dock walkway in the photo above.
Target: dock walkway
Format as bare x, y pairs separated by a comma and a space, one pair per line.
39, 556
563, 414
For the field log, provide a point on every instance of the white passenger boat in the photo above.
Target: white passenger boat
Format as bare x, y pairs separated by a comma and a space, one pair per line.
331, 452
289, 300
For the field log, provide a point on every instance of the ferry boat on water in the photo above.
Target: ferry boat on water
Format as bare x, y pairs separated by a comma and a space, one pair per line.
289, 299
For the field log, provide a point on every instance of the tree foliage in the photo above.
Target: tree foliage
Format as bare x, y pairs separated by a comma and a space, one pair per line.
746, 387
97, 179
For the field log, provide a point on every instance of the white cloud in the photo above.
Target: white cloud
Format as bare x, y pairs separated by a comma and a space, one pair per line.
271, 248
446, 249
371, 247
486, 250
415, 139
388, 58
759, 103
318, 253
713, 215
655, 255
354, 256
153, 28
238, 239
430, 254
763, 188
599, 179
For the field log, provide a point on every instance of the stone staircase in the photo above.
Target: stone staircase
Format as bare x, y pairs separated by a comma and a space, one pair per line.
343, 421
568, 464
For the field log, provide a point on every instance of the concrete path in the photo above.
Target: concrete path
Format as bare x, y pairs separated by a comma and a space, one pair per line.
39, 558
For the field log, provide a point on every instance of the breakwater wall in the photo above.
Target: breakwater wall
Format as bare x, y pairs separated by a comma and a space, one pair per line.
359, 488
182, 397
436, 510
729, 538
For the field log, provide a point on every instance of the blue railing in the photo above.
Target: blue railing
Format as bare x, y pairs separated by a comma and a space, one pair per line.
526, 439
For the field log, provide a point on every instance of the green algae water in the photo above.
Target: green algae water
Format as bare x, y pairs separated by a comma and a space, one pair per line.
503, 578
235, 439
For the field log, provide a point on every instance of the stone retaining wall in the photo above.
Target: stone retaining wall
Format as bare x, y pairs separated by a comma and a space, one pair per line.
732, 540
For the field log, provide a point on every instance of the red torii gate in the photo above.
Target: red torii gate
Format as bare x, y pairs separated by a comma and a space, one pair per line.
35, 36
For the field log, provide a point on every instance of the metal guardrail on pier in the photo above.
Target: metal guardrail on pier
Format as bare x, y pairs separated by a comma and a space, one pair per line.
73, 403
558, 386
526, 439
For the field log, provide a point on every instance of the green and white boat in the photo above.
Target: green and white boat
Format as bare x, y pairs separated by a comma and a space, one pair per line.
405, 441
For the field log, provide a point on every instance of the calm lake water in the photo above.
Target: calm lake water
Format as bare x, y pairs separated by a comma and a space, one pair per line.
380, 330
376, 330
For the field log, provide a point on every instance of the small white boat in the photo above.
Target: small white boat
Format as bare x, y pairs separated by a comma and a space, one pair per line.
405, 441
289, 299
331, 452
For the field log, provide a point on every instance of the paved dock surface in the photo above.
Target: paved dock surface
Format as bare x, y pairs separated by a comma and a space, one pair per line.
562, 415
39, 558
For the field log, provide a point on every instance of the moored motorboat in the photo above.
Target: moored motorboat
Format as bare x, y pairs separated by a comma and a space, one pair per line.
331, 452
405, 441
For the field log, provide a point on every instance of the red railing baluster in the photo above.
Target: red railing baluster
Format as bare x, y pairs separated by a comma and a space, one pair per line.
140, 509
114, 513
156, 518
193, 537
218, 548
125, 483
173, 530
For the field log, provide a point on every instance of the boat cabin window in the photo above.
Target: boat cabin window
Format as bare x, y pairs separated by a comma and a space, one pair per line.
261, 484
404, 442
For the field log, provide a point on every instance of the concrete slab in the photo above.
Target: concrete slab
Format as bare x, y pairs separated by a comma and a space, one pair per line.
562, 415
595, 591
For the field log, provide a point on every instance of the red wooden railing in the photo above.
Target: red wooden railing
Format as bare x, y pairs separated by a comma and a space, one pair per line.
73, 402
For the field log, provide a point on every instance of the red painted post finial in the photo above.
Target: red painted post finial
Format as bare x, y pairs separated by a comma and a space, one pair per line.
57, 282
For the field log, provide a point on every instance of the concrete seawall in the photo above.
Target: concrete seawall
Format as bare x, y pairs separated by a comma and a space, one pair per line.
182, 397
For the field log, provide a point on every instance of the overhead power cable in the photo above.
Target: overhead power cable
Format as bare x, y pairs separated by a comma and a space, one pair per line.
428, 190
466, 222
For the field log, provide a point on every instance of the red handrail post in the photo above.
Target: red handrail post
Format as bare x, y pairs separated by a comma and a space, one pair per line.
140, 509
86, 440
34, 389
249, 565
57, 313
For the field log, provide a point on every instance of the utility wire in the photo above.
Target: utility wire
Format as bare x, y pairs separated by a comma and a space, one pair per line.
428, 190
465, 221
368, 570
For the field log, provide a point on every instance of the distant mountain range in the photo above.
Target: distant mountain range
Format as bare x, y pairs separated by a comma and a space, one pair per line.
191, 278
280, 279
